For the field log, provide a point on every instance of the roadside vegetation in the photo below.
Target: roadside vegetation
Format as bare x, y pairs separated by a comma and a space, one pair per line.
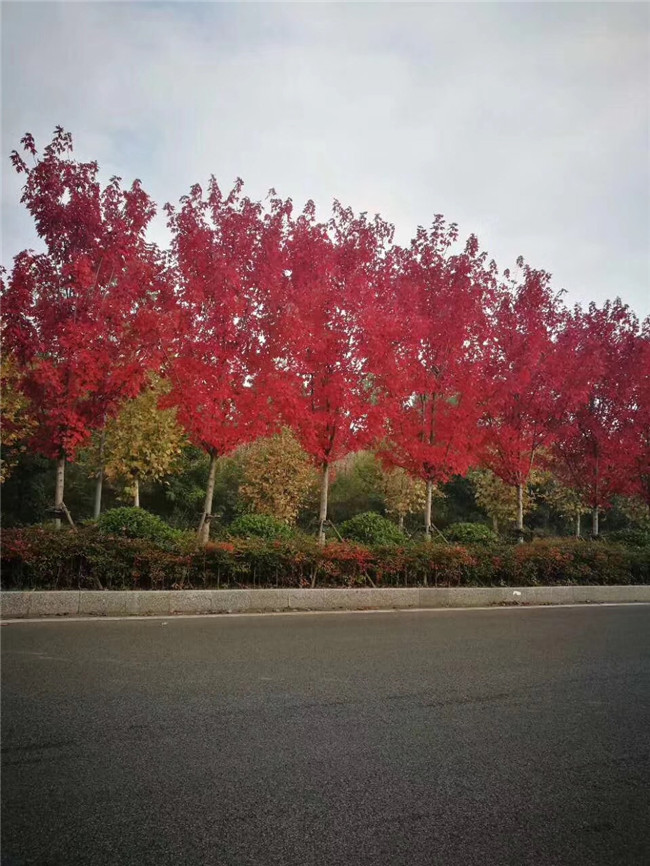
131, 549
283, 399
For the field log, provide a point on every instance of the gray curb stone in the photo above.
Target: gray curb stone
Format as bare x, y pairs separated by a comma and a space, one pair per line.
14, 604
97, 603
149, 603
192, 601
57, 603
44, 603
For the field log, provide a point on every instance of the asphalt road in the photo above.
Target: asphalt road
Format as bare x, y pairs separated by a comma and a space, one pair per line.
440, 737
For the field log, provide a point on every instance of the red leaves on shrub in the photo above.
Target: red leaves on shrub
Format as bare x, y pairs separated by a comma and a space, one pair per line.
36, 558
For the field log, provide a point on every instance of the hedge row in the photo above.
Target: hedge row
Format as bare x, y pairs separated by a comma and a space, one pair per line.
88, 559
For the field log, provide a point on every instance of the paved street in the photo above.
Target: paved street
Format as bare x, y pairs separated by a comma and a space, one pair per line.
436, 737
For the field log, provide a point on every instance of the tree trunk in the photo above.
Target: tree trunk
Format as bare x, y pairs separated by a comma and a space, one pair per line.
401, 522
520, 513
578, 525
427, 511
136, 492
495, 524
594, 522
58, 493
325, 480
204, 525
100, 475
99, 483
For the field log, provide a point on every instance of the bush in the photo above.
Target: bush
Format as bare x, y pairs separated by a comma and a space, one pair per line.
371, 528
630, 537
89, 559
259, 526
136, 523
471, 533
36, 558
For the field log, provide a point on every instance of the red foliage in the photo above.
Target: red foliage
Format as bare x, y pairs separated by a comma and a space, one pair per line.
434, 375
602, 437
225, 264
527, 382
260, 317
637, 444
323, 377
81, 317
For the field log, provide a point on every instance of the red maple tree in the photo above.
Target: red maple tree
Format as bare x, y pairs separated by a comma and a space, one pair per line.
80, 318
601, 436
320, 343
433, 372
638, 444
528, 378
225, 264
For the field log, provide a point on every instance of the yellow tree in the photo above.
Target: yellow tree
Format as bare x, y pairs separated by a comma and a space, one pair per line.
278, 476
635, 510
404, 494
498, 499
15, 417
143, 442
565, 500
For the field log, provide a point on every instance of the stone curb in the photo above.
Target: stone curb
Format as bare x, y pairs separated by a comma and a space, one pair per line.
52, 603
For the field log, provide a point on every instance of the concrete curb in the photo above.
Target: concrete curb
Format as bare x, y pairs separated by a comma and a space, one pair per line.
52, 603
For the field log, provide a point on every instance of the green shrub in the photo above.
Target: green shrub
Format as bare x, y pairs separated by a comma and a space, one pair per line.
259, 526
514, 536
470, 533
36, 558
630, 537
136, 523
371, 528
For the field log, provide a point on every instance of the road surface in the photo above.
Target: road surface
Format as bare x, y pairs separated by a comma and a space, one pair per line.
435, 737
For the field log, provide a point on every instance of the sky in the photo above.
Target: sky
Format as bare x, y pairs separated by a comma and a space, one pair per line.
527, 124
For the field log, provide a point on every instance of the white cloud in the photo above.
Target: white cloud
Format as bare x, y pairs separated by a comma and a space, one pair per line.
526, 123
